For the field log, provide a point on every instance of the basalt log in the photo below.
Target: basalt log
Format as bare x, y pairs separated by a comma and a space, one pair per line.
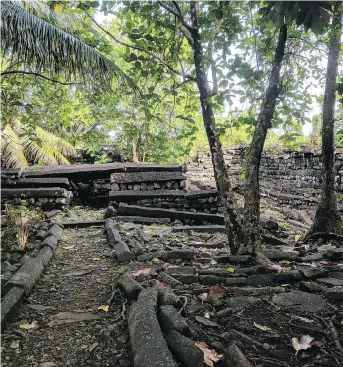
169, 213
148, 345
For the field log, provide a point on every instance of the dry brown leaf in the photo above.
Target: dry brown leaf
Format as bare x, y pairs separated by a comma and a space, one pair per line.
144, 271
210, 355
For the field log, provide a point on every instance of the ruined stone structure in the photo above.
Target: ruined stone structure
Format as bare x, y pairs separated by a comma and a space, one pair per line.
287, 177
290, 177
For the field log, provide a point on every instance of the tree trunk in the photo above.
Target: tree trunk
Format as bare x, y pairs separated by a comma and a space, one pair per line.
264, 122
134, 152
233, 226
327, 218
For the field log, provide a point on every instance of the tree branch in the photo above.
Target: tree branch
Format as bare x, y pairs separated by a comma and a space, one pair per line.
213, 68
5, 73
115, 39
177, 13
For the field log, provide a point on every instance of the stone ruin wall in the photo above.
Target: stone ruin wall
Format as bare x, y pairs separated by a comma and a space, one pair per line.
296, 170
288, 178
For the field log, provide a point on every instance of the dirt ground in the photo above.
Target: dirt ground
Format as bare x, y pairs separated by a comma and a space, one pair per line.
262, 319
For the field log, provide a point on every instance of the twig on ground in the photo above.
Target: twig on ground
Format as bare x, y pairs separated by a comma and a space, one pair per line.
110, 300
123, 310
184, 305
334, 334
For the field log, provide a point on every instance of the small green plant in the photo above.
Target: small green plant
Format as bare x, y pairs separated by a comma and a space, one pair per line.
282, 226
21, 220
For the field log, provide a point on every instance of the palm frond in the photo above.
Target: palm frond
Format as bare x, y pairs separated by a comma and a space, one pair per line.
12, 149
38, 153
56, 142
40, 44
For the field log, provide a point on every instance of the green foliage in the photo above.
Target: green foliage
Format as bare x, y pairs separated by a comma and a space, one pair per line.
163, 123
20, 147
45, 47
20, 221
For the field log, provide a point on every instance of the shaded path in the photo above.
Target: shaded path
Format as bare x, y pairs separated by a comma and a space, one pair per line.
74, 281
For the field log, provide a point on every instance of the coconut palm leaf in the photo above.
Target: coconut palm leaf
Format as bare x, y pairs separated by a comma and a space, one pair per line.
45, 47
18, 147
12, 149
59, 144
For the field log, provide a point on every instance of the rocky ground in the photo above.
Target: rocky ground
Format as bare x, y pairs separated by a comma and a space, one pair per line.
288, 315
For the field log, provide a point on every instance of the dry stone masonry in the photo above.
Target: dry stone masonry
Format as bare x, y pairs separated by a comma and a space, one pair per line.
290, 177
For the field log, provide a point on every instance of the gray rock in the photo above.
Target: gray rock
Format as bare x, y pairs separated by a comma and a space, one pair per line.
110, 212
335, 254
63, 318
185, 350
186, 278
313, 257
7, 267
166, 278
45, 254
167, 297
311, 287
238, 303
335, 294
235, 357
224, 313
313, 272
148, 346
269, 224
9, 303
300, 301
50, 241
205, 321
56, 230
210, 279
289, 276
235, 281
27, 276
123, 252
170, 320
261, 279
331, 282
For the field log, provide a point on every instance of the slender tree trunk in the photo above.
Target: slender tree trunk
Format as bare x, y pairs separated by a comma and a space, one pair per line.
264, 122
233, 226
327, 218
134, 152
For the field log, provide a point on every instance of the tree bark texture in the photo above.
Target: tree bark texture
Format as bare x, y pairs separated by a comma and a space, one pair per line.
231, 217
264, 122
327, 218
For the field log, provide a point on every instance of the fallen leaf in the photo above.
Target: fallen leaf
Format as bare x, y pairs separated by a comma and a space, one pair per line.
316, 343
203, 297
96, 259
155, 260
103, 308
210, 355
216, 291
26, 326
262, 327
144, 271
213, 262
68, 247
207, 315
58, 8
303, 343
284, 262
230, 269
